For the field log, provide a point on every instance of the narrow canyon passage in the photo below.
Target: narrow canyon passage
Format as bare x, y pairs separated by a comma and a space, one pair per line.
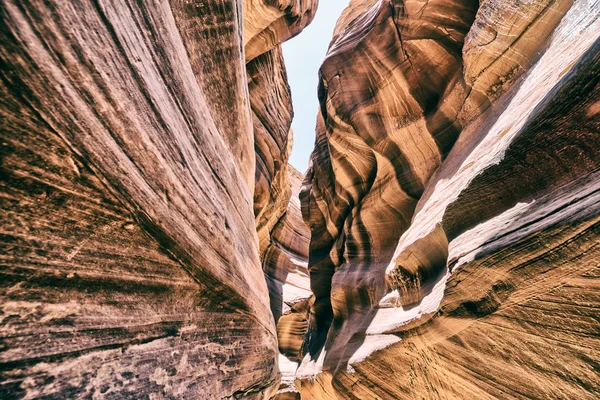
160, 238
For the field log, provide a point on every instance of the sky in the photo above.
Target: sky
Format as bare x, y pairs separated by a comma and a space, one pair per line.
303, 56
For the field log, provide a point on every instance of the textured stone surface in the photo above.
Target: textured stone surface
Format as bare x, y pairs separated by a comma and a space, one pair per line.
283, 236
268, 23
285, 263
271, 105
130, 257
152, 241
458, 260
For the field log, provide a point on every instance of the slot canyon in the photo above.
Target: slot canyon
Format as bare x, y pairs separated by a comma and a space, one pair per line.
156, 242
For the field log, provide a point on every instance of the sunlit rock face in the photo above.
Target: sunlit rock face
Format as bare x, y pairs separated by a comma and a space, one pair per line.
285, 263
453, 203
283, 236
130, 147
268, 23
271, 108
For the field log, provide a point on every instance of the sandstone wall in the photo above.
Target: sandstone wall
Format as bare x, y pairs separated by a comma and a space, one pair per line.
132, 136
155, 242
285, 262
452, 203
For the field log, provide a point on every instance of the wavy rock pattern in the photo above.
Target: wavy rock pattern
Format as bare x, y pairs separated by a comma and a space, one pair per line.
286, 259
267, 23
272, 112
452, 202
283, 236
271, 106
131, 263
153, 242
285, 263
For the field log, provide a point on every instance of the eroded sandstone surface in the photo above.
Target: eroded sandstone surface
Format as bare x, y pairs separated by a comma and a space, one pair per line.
133, 135
453, 203
444, 242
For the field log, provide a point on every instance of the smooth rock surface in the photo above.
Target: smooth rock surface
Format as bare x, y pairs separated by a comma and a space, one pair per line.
285, 263
271, 105
452, 203
444, 242
268, 23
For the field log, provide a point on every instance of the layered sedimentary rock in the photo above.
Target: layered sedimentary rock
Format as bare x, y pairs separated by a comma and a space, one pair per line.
285, 263
267, 23
130, 256
271, 105
283, 236
152, 242
453, 203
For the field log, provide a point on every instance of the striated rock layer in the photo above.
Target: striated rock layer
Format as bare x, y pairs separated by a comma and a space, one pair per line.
285, 263
453, 203
267, 23
271, 106
132, 136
